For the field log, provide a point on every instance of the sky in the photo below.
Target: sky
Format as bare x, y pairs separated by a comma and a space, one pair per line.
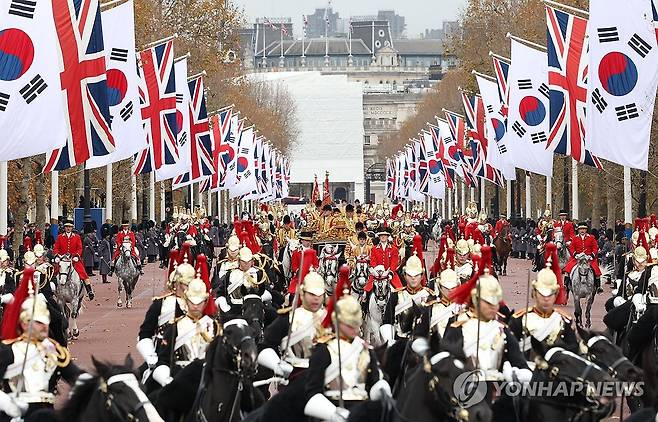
419, 14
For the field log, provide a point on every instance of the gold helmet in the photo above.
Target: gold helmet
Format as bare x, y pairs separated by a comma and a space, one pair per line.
196, 291
448, 279
245, 254
547, 213
483, 217
408, 222
30, 258
39, 250
462, 247
475, 248
183, 274
40, 314
413, 266
233, 243
490, 290
653, 231
546, 283
349, 311
653, 253
313, 283
4, 256
640, 254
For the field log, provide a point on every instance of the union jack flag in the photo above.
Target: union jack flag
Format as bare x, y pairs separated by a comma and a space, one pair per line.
221, 130
83, 80
458, 152
157, 94
204, 185
390, 179
475, 118
202, 164
423, 180
567, 83
501, 69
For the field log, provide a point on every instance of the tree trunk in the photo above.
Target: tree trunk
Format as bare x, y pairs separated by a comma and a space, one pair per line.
610, 198
642, 202
23, 204
40, 194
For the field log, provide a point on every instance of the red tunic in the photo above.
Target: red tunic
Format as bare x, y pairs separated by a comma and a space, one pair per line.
568, 229
72, 245
389, 259
586, 245
295, 262
120, 237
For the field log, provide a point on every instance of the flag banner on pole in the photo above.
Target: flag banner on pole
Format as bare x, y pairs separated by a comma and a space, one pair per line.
423, 173
623, 58
495, 124
442, 138
455, 142
390, 179
233, 142
221, 150
29, 81
122, 85
567, 83
501, 69
83, 82
527, 123
414, 193
485, 162
157, 93
180, 170
440, 167
244, 175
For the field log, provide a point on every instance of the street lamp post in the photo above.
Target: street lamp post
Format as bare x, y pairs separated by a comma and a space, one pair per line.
87, 227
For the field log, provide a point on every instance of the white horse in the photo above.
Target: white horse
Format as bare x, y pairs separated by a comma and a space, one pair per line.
291, 246
582, 287
69, 293
563, 254
360, 275
127, 274
378, 298
328, 261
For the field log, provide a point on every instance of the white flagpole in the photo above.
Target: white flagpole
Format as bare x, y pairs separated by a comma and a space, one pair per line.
483, 190
463, 204
549, 193
209, 203
133, 197
528, 197
4, 207
450, 204
472, 193
508, 199
108, 191
628, 199
163, 208
219, 205
54, 194
443, 207
574, 189
152, 196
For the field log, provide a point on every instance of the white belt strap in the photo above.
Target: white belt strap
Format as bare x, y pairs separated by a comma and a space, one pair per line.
15, 368
401, 307
470, 347
233, 286
551, 324
298, 335
331, 373
446, 313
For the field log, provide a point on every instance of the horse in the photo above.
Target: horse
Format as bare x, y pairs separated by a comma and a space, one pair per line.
376, 306
114, 394
69, 293
286, 258
563, 366
503, 248
582, 286
127, 274
253, 311
328, 262
226, 392
359, 276
563, 253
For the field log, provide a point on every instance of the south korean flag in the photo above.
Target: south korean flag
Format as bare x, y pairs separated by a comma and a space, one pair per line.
623, 69
32, 116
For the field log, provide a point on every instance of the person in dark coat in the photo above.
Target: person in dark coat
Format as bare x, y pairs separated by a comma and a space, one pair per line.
105, 256
152, 242
89, 252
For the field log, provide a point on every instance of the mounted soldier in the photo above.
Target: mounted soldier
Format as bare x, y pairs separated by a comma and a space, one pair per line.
404, 240
70, 243
300, 267
463, 261
442, 308
566, 226
285, 233
7, 279
584, 243
125, 235
228, 260
386, 255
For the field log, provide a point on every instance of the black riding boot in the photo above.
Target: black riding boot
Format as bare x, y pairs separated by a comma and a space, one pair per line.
89, 290
597, 285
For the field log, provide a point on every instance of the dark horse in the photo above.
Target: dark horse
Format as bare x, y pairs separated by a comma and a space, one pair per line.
225, 392
112, 395
503, 248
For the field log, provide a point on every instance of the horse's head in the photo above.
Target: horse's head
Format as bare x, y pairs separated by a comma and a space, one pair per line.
240, 342
65, 265
126, 248
253, 311
599, 349
114, 392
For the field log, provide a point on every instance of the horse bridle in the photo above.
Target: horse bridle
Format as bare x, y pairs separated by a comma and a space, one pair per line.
612, 368
110, 403
459, 412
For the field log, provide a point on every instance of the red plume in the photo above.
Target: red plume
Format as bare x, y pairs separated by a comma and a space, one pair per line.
642, 241
418, 248
12, 311
638, 223
264, 207
310, 260
184, 253
449, 232
450, 259
38, 239
462, 294
237, 226
27, 243
653, 220
342, 287
394, 212
202, 270
173, 261
551, 252
3, 239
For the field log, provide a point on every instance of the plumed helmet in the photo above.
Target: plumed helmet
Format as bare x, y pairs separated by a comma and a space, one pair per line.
183, 274
640, 254
462, 247
448, 279
413, 267
546, 283
349, 311
30, 258
39, 250
489, 289
196, 291
40, 314
233, 243
245, 254
4, 256
313, 283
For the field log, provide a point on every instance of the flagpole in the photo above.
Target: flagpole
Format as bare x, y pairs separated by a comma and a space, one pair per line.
482, 75
463, 204
223, 109
566, 8
549, 192
483, 205
108, 192
450, 204
574, 189
183, 57
133, 197
54, 193
110, 4
158, 42
524, 41
152, 196
528, 197
628, 199
163, 208
196, 75
508, 198
499, 57
264, 34
4, 207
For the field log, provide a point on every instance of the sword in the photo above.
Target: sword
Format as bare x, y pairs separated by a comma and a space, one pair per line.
525, 315
295, 299
340, 359
21, 381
